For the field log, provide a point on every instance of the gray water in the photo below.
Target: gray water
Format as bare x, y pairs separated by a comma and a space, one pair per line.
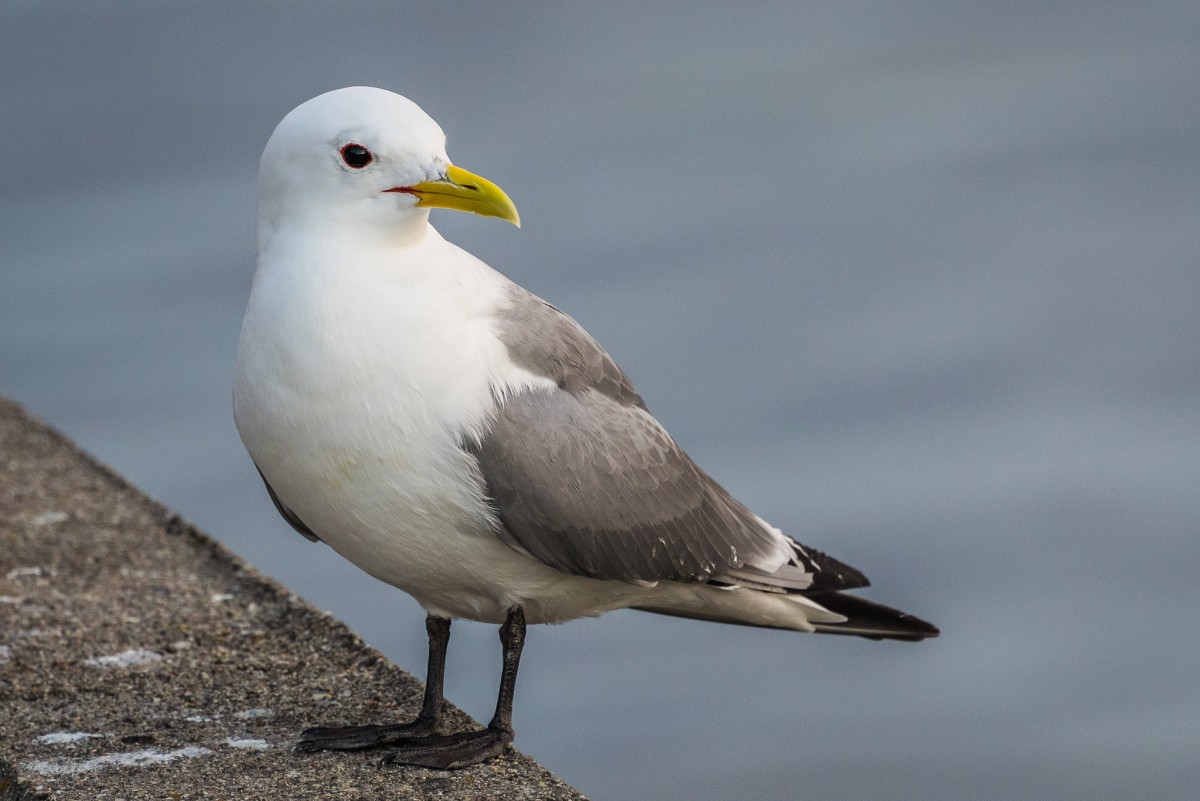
918, 282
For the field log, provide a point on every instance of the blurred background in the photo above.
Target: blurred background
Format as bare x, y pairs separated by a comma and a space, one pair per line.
917, 281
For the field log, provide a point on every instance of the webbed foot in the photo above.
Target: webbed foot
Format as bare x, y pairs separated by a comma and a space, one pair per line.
356, 738
450, 751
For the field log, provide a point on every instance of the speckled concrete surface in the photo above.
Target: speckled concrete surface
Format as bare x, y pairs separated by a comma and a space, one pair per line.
139, 660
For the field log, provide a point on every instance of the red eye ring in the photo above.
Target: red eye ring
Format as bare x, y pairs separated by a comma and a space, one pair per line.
356, 156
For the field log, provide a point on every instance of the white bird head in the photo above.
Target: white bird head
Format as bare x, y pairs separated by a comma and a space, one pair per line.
366, 159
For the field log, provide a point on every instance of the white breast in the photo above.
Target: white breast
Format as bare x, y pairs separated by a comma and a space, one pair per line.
358, 375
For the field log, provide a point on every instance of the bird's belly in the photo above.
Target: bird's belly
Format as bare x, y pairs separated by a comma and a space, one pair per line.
429, 533
399, 500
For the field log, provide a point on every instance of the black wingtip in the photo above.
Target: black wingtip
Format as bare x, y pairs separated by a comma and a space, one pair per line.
872, 620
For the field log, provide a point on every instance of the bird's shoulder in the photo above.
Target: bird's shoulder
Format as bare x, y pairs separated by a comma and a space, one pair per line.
547, 342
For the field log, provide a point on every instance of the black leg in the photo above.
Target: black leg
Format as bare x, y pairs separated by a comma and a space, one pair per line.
512, 635
469, 748
353, 738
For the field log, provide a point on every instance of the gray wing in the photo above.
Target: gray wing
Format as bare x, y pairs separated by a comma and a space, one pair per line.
587, 481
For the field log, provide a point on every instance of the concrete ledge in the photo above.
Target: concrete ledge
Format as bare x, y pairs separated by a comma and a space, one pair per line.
141, 660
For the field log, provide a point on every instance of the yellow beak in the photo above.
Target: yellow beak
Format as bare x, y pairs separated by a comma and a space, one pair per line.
464, 191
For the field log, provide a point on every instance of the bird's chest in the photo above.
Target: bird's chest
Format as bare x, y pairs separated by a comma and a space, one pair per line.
353, 401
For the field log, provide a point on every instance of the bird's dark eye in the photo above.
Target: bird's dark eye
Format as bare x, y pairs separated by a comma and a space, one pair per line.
356, 156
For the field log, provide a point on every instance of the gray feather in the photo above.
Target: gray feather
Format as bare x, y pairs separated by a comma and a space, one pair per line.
598, 489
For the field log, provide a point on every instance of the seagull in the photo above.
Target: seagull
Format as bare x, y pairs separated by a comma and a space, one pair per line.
458, 437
